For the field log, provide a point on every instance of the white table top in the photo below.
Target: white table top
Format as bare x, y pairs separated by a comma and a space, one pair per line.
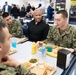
24, 53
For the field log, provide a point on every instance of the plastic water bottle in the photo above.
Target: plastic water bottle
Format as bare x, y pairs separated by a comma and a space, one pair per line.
42, 57
43, 51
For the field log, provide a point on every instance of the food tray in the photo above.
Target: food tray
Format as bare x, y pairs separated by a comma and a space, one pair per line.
12, 51
21, 40
54, 52
41, 70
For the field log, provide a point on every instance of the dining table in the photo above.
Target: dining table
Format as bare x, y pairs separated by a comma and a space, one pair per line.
24, 53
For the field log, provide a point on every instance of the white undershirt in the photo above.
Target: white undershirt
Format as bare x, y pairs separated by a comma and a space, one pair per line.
6, 8
35, 23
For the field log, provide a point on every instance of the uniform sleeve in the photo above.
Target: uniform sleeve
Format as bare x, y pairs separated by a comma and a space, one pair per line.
19, 32
7, 73
4, 70
74, 41
49, 36
21, 70
45, 32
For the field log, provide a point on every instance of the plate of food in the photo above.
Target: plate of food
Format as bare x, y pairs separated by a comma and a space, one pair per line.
52, 50
34, 67
47, 69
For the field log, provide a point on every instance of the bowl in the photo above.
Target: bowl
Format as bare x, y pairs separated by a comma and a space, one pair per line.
33, 60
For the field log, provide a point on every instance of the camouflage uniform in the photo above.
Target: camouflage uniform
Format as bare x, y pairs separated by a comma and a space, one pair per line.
15, 29
1, 20
66, 39
20, 70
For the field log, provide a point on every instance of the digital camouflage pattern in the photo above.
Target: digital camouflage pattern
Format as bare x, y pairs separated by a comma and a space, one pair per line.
66, 39
1, 20
20, 70
15, 29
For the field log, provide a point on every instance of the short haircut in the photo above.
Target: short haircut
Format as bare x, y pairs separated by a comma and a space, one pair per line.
63, 12
6, 2
5, 14
2, 34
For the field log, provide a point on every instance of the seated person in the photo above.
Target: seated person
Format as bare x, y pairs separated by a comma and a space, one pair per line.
37, 28
9, 66
14, 26
62, 34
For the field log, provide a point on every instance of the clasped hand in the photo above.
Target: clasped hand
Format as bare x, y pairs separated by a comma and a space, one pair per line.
7, 60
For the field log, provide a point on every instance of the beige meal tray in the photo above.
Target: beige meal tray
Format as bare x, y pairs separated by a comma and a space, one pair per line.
46, 69
21, 40
54, 52
12, 51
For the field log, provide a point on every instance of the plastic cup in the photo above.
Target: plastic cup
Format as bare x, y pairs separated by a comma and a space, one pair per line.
49, 49
14, 44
